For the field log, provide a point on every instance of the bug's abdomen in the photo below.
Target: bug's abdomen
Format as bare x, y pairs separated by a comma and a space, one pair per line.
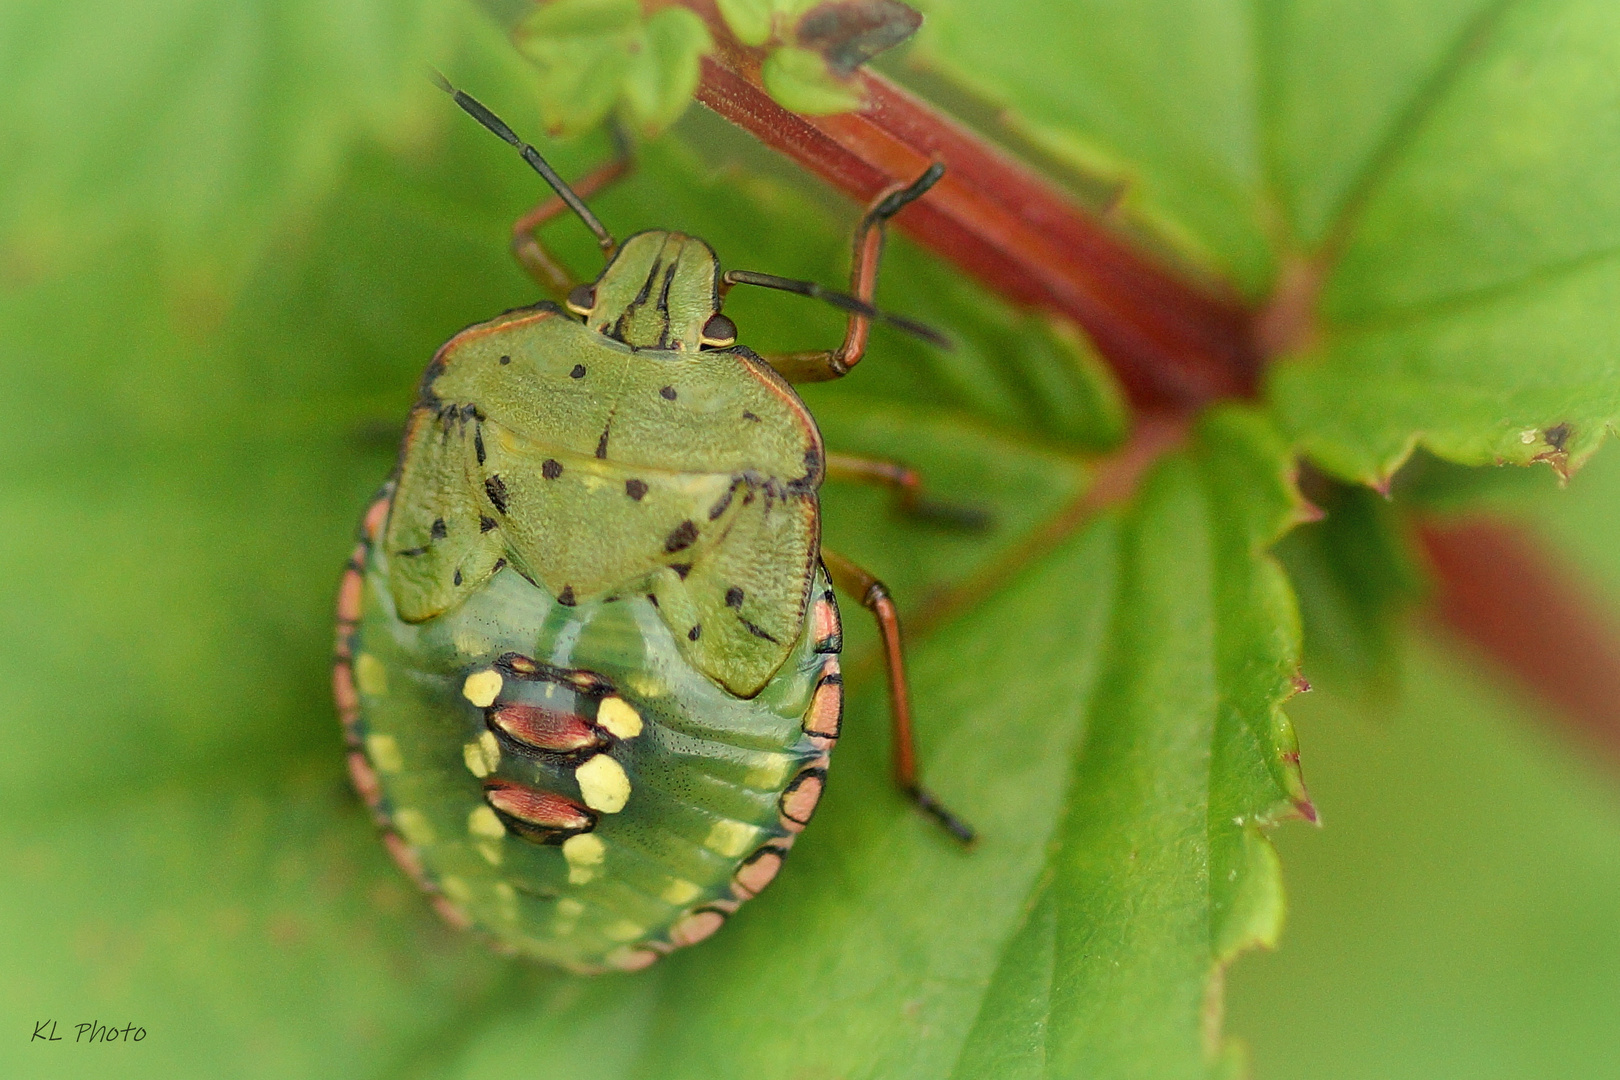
557, 776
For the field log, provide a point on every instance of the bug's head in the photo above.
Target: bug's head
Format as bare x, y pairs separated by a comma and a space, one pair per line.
661, 291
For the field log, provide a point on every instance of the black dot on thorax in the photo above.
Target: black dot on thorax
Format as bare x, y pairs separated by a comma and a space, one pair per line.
485, 524
578, 372
506, 360
438, 531
566, 597
551, 469
694, 633
636, 489
681, 537
734, 597
667, 393
495, 488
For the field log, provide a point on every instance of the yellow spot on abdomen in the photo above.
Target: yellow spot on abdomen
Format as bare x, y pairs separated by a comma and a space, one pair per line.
482, 688
384, 753
619, 717
646, 685
680, 892
482, 755
769, 774
603, 784
483, 822
413, 827
470, 643
370, 675
624, 930
585, 854
730, 838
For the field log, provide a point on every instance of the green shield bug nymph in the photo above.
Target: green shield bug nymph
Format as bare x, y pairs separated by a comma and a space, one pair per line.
587, 647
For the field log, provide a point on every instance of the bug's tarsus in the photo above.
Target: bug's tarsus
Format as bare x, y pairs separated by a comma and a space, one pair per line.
959, 829
913, 191
475, 109
841, 300
960, 517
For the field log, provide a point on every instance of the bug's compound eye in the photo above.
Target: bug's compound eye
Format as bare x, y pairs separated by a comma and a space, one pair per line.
718, 332
581, 299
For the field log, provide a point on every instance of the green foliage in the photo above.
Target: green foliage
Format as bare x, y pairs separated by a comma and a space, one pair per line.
1458, 309
799, 79
597, 57
234, 237
757, 21
201, 126
1356, 579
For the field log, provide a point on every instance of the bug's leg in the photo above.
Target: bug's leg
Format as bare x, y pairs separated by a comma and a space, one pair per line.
822, 365
874, 596
537, 261
908, 491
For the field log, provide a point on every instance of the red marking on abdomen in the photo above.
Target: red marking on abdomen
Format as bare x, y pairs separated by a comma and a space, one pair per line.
405, 857
695, 927
347, 699
800, 798
450, 913
348, 604
542, 809
826, 631
758, 871
546, 729
376, 514
365, 779
825, 716
633, 959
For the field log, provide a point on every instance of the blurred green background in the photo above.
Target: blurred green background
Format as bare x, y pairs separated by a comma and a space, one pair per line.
230, 237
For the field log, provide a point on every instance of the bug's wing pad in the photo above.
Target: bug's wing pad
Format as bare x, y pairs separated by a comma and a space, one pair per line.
606, 470
745, 594
436, 546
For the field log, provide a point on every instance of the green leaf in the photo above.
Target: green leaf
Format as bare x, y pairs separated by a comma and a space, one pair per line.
1454, 918
1161, 90
1436, 170
1356, 578
201, 126
1458, 314
582, 49
664, 73
1164, 872
750, 20
251, 932
801, 80
600, 56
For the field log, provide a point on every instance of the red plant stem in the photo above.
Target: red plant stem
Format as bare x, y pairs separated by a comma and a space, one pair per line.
1172, 344
1497, 587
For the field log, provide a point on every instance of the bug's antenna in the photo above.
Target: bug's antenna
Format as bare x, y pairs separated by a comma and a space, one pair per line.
837, 299
478, 112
